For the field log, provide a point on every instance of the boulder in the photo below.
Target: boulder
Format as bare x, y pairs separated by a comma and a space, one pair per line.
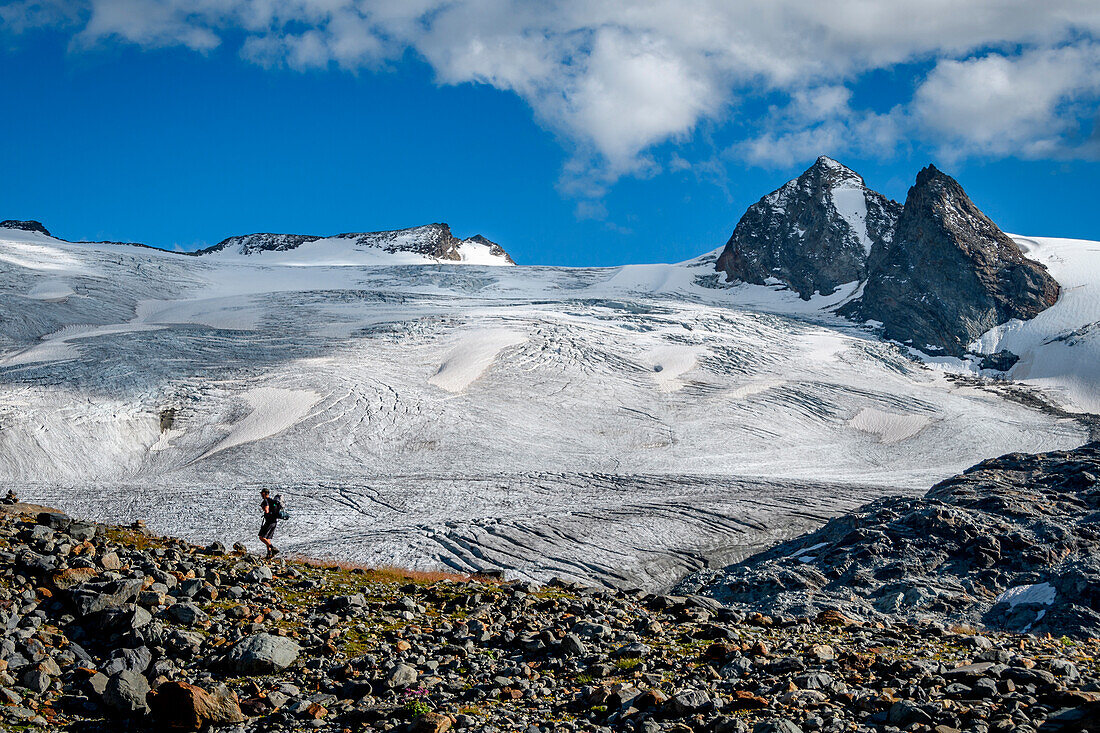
125, 693
187, 614
262, 654
182, 706
431, 723
401, 675
68, 577
132, 660
98, 595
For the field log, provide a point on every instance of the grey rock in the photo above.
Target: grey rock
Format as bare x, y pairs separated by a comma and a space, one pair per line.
572, 646
779, 725
1018, 522
686, 702
185, 613
132, 660
97, 684
259, 574
262, 654
99, 595
36, 680
125, 692
401, 675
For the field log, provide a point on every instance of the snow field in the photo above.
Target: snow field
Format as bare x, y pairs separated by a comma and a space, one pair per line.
624, 425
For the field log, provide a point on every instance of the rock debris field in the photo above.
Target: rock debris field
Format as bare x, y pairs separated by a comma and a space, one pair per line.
107, 628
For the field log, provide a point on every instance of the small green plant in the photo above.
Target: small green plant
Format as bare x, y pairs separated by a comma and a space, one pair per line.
627, 664
417, 708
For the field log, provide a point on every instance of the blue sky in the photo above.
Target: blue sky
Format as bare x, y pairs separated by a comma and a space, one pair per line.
142, 121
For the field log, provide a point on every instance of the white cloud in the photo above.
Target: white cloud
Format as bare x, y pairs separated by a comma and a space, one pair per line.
615, 78
1028, 105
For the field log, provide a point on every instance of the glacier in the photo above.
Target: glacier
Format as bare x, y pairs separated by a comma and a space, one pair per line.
622, 425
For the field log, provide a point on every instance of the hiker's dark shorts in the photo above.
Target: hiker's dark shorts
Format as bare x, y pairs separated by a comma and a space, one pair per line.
267, 529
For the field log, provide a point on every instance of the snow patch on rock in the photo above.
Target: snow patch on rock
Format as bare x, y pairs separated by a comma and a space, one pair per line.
851, 203
1039, 594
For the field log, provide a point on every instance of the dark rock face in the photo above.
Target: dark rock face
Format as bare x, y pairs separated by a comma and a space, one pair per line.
1012, 543
948, 274
26, 226
432, 240
814, 233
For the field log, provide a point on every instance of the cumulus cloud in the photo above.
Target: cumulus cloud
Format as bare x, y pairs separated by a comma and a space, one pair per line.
1031, 105
821, 120
614, 79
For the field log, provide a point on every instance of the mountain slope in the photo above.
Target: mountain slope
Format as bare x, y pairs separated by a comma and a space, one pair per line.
625, 425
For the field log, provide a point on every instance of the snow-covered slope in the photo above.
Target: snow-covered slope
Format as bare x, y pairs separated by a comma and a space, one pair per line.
1059, 349
621, 424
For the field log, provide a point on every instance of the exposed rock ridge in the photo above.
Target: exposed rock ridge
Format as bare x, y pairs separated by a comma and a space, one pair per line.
432, 240
27, 226
1012, 543
949, 274
814, 233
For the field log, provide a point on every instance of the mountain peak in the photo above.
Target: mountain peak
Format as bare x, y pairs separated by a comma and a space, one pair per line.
949, 274
930, 173
812, 234
830, 166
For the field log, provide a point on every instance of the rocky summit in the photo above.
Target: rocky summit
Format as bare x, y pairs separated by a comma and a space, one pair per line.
813, 234
432, 240
936, 273
108, 628
1011, 544
26, 226
948, 274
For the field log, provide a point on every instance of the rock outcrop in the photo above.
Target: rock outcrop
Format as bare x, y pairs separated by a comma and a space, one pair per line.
1011, 544
432, 240
813, 234
948, 274
26, 226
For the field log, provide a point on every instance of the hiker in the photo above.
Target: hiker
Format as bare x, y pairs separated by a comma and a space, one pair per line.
271, 518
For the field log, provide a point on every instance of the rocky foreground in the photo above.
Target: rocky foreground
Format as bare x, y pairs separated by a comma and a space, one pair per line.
108, 628
1012, 543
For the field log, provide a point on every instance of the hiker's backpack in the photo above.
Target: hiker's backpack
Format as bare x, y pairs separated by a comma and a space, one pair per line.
277, 508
